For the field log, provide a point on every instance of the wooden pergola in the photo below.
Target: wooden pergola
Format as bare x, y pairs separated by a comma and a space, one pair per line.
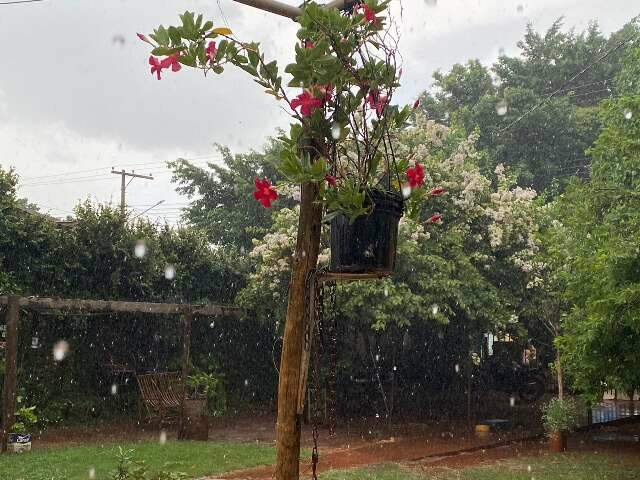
15, 303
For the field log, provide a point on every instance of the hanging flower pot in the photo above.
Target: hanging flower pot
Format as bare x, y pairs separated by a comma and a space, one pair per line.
368, 244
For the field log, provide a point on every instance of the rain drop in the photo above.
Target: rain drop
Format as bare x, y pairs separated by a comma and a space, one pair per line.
529, 468
501, 108
457, 368
336, 131
169, 272
628, 114
246, 382
406, 191
386, 291
92, 473
512, 401
114, 389
163, 437
140, 249
212, 324
435, 309
60, 350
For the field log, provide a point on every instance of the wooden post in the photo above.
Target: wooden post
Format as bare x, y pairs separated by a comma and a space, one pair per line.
11, 370
306, 257
186, 350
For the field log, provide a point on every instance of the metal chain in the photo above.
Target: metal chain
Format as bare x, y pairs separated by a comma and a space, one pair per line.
332, 332
317, 297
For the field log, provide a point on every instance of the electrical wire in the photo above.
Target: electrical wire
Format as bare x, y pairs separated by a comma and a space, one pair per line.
14, 2
627, 40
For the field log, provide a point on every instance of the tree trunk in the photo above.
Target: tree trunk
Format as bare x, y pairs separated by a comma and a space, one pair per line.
559, 375
306, 257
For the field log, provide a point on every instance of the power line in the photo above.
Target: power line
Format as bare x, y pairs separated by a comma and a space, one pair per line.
193, 159
574, 77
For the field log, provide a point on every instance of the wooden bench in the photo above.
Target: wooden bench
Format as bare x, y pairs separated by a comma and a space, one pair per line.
160, 395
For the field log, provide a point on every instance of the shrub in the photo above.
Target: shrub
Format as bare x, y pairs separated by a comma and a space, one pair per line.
560, 415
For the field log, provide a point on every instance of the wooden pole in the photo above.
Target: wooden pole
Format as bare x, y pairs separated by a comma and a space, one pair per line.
186, 351
11, 370
306, 257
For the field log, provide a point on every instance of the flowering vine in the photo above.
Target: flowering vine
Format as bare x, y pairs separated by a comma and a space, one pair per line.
346, 67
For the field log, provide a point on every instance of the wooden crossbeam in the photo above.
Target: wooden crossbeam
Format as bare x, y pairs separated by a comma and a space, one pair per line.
117, 306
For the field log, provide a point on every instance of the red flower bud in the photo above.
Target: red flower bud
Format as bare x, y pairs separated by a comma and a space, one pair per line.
437, 191
434, 218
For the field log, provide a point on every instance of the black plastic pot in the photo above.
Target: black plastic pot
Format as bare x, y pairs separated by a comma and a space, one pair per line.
368, 245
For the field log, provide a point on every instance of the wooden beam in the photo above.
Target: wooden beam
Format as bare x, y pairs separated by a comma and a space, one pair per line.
305, 260
186, 349
351, 277
273, 6
121, 307
11, 370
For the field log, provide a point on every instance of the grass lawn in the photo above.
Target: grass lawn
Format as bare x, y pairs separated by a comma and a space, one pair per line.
576, 466
193, 458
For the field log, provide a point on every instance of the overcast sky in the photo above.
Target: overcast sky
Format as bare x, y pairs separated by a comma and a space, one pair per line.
77, 97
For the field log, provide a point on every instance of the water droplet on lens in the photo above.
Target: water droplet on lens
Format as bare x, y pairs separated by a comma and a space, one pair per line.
336, 131
501, 108
60, 350
140, 249
169, 272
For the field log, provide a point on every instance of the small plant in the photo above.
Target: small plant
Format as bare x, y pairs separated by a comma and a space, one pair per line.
130, 469
560, 415
209, 386
26, 420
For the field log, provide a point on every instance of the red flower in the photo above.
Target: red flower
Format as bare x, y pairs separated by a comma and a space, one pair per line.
415, 175
434, 218
437, 191
367, 11
211, 51
265, 192
307, 103
171, 61
331, 180
377, 101
156, 66
307, 44
416, 104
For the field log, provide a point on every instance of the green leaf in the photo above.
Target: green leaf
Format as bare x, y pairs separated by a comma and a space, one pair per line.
174, 35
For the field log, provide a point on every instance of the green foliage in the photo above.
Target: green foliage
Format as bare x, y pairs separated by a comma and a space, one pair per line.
211, 387
543, 138
26, 419
560, 415
129, 469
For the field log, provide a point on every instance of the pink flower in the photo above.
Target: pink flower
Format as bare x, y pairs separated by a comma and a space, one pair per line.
415, 175
307, 103
437, 191
265, 192
367, 11
171, 61
434, 218
331, 180
377, 101
308, 44
211, 51
156, 66
144, 39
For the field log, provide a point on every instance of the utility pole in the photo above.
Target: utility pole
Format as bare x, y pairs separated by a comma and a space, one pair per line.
123, 185
305, 260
